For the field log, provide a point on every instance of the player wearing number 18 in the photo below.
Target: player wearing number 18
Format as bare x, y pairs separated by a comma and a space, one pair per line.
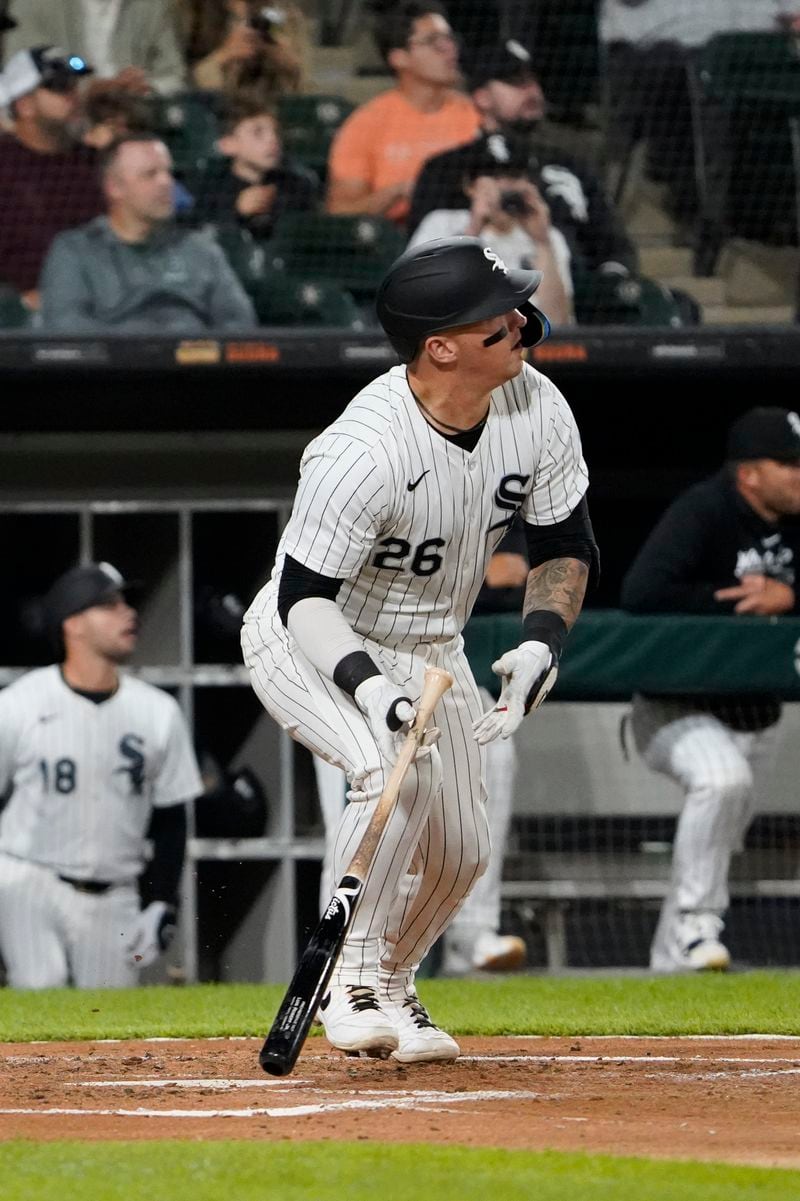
95, 761
400, 503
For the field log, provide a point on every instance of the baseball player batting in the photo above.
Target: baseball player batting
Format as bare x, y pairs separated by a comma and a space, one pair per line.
96, 761
400, 504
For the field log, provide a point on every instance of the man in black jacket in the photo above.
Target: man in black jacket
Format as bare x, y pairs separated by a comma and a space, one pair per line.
723, 546
511, 103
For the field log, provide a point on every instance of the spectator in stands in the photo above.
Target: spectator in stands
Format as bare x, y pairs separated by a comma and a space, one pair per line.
237, 46
134, 270
647, 49
507, 212
48, 181
254, 183
112, 112
723, 546
133, 42
379, 150
511, 104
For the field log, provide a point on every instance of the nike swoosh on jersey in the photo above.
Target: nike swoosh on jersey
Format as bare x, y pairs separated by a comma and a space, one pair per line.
47, 717
506, 521
411, 485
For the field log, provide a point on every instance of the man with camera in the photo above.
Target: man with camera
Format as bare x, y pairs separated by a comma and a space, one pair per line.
507, 211
512, 108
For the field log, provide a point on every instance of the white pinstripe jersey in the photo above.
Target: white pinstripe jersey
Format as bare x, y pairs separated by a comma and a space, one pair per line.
87, 776
409, 520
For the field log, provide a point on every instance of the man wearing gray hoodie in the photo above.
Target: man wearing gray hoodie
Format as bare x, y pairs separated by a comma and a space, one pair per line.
133, 270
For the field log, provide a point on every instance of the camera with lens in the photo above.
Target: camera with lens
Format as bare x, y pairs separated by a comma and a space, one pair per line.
514, 203
266, 19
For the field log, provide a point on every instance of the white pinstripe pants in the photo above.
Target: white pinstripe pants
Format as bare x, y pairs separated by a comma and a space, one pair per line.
52, 935
436, 843
714, 765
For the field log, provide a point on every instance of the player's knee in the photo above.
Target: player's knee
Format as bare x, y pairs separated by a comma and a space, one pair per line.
728, 783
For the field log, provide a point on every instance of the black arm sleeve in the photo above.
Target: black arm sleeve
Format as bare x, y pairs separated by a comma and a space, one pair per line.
572, 538
298, 582
670, 574
163, 874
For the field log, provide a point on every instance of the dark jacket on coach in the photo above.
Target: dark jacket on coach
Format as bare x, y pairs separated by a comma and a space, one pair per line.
576, 198
707, 539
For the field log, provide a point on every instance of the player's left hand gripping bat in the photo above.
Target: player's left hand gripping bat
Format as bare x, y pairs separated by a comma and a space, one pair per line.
310, 981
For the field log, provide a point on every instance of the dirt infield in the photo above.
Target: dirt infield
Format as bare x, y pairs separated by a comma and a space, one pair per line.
720, 1099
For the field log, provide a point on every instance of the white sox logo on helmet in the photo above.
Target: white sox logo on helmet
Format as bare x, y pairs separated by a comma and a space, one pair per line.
495, 260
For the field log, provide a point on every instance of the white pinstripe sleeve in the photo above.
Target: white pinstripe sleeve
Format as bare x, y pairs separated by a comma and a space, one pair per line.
9, 710
338, 509
561, 475
178, 777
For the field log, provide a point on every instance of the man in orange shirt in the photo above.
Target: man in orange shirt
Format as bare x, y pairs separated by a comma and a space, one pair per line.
379, 150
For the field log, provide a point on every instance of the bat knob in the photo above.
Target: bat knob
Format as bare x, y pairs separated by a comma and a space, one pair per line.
276, 1065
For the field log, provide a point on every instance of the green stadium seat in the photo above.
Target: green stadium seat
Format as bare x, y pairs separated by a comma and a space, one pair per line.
282, 300
189, 124
13, 313
745, 97
609, 299
354, 252
244, 253
308, 124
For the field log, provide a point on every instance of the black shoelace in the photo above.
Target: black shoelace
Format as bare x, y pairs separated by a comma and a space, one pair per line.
362, 997
419, 1013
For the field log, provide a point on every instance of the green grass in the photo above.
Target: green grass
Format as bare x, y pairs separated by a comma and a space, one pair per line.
252, 1171
752, 1002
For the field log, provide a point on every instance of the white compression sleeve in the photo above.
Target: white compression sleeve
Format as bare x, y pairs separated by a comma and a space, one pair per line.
320, 630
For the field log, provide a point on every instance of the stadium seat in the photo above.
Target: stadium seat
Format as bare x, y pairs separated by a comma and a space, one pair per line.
244, 253
13, 313
609, 299
353, 252
282, 300
745, 97
189, 124
308, 124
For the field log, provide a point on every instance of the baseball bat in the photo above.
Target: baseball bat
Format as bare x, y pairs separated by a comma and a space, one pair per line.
310, 981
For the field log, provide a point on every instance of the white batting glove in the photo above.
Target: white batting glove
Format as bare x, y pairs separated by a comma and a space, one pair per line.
389, 713
151, 934
529, 672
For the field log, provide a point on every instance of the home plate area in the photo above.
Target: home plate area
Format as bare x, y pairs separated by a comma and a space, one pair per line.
725, 1099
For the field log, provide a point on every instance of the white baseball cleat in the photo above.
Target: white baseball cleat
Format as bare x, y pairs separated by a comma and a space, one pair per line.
355, 1020
692, 944
420, 1041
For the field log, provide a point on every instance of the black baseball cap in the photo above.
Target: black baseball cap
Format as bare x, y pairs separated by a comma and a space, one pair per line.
81, 588
497, 154
767, 432
507, 61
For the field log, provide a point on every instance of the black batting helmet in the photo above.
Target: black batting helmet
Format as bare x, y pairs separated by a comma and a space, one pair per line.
450, 282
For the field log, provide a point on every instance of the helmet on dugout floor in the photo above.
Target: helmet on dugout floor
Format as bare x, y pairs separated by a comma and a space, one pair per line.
451, 282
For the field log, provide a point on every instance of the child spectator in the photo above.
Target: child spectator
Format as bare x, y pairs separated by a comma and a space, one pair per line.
254, 183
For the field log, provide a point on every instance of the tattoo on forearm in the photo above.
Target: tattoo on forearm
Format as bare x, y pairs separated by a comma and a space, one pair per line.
558, 585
